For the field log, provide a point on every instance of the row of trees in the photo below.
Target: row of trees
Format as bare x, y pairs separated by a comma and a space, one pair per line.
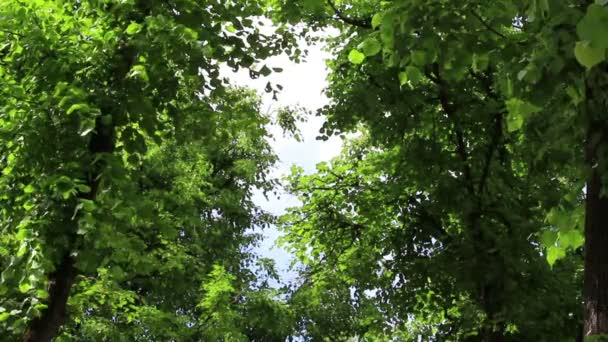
471, 206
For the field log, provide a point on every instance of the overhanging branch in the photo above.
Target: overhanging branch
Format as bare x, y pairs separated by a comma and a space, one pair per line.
362, 23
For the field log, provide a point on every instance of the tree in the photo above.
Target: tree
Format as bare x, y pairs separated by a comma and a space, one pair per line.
185, 271
88, 86
446, 82
391, 231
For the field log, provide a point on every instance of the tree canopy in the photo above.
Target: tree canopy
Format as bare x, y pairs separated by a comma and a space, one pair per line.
468, 204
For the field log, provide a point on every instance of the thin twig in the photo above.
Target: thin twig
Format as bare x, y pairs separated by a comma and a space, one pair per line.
484, 23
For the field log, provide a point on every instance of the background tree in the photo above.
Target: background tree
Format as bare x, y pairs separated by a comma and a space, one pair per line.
188, 272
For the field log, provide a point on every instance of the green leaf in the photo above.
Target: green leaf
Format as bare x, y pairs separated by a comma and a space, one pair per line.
139, 71
587, 55
514, 122
594, 26
24, 287
414, 74
370, 47
83, 188
87, 205
4, 316
87, 126
548, 238
28, 206
377, 19
518, 110
563, 220
313, 5
133, 28
82, 107
403, 78
356, 57
572, 238
480, 62
42, 294
411, 75
419, 58
30, 188
555, 253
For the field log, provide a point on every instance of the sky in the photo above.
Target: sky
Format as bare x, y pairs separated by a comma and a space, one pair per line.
303, 85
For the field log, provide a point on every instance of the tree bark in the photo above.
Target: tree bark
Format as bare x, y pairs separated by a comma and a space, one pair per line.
595, 290
45, 327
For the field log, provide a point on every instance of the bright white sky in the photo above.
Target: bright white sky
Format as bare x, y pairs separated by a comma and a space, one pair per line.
303, 86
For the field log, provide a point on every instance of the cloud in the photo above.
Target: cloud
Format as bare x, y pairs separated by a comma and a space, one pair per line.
303, 86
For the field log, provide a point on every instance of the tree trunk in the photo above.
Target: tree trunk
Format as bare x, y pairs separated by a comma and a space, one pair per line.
45, 327
595, 289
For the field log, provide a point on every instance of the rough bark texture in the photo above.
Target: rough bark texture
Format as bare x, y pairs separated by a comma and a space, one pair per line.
595, 289
46, 327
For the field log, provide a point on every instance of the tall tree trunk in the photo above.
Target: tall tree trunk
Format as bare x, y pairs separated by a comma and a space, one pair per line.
46, 327
595, 289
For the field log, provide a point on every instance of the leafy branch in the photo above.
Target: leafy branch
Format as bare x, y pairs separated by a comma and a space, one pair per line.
362, 23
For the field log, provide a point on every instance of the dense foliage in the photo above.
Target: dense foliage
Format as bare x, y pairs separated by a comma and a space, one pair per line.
481, 124
128, 171
469, 205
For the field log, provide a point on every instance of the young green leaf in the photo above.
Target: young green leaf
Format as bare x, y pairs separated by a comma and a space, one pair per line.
377, 20
594, 26
4, 316
356, 57
518, 110
370, 47
403, 78
587, 55
24, 287
30, 188
555, 253
133, 28
82, 107
572, 238
414, 75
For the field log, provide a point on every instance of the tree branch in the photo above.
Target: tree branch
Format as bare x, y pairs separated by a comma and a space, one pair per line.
450, 111
487, 26
496, 137
362, 23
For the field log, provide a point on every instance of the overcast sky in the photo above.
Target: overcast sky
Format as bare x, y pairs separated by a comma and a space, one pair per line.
303, 86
